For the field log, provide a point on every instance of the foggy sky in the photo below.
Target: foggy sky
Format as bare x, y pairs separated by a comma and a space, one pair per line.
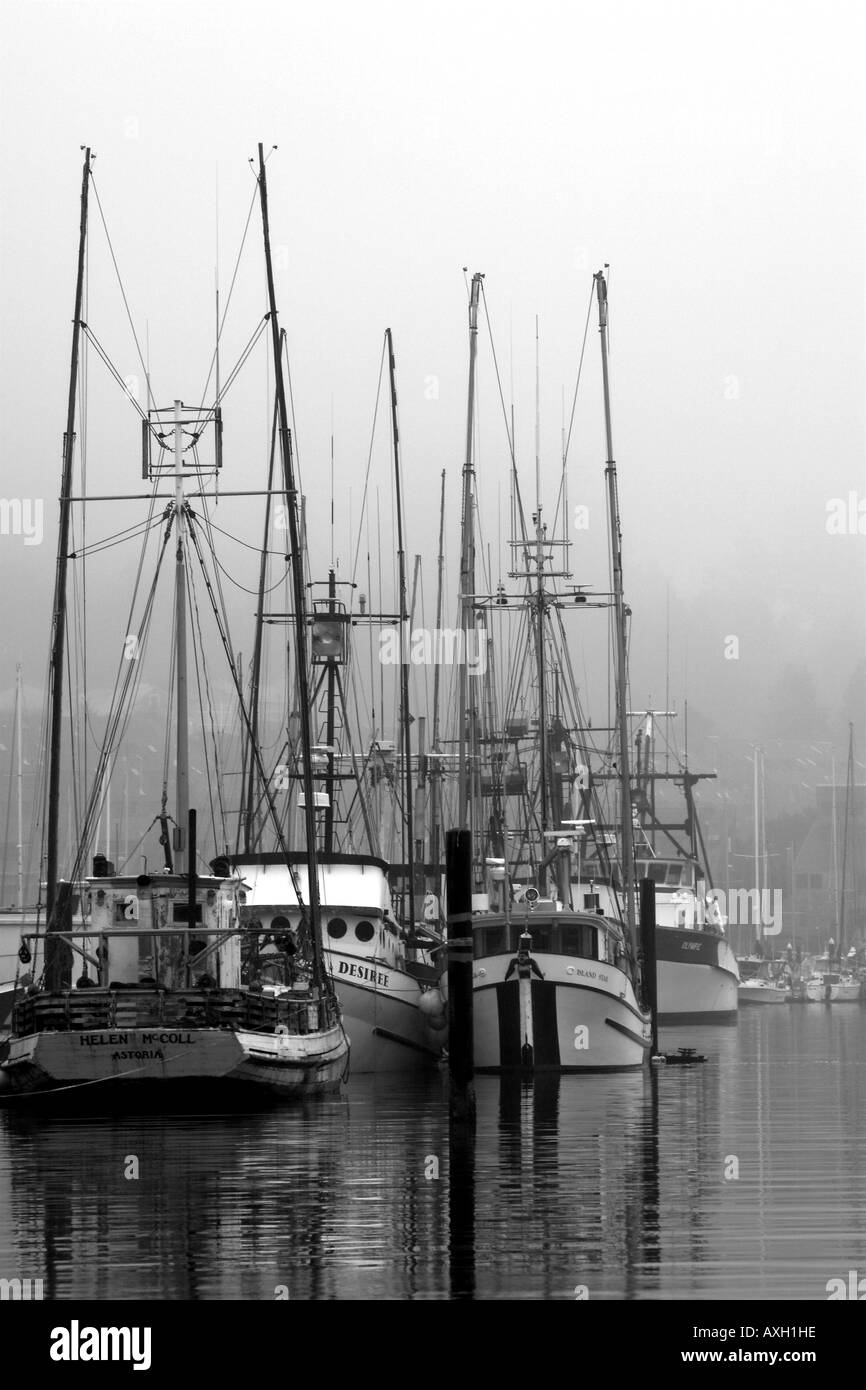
714, 156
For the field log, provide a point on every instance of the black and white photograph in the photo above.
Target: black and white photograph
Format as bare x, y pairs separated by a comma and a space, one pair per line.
432, 672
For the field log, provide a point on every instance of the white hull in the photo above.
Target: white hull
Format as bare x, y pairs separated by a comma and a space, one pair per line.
382, 1016
762, 992
379, 997
695, 993
696, 975
582, 1016
284, 1064
837, 992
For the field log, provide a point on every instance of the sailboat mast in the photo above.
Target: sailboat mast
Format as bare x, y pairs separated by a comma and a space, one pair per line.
19, 749
406, 733
467, 562
849, 787
58, 639
181, 692
619, 613
436, 776
758, 847
298, 594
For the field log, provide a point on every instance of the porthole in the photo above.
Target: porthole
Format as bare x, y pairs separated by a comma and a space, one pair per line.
280, 924
336, 927
365, 931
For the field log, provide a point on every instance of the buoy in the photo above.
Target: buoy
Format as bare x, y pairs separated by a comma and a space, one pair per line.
431, 1002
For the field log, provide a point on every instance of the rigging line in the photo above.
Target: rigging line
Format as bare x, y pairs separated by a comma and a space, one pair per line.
369, 463
299, 479
236, 369
199, 666
113, 371
120, 712
129, 533
217, 579
238, 685
122, 290
504, 415
9, 799
573, 408
253, 202
280, 554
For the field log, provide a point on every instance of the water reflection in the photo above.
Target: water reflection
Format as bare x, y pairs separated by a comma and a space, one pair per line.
621, 1185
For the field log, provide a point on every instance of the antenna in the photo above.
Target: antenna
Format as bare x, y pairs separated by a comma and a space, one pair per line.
537, 427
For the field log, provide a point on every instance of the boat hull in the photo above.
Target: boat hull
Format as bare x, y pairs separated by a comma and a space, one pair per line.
572, 1022
279, 1064
382, 1015
754, 992
697, 977
831, 992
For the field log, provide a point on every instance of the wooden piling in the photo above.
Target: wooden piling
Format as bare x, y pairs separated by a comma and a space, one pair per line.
461, 1051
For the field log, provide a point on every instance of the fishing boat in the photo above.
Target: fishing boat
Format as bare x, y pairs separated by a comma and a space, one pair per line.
556, 983
158, 992
696, 968
383, 967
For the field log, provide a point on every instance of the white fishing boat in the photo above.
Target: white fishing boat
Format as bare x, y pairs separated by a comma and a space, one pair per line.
554, 987
158, 990
392, 1006
696, 967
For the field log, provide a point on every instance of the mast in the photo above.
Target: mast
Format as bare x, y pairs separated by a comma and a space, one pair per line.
849, 787
299, 596
757, 846
620, 617
329, 714
409, 829
436, 775
467, 561
255, 678
18, 745
181, 694
58, 640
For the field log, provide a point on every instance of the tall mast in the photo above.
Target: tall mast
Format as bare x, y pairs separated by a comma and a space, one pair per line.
436, 775
297, 589
249, 802
620, 615
331, 696
467, 561
849, 789
58, 639
181, 694
404, 649
758, 844
18, 745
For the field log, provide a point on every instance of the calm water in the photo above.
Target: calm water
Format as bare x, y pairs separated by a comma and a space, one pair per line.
616, 1183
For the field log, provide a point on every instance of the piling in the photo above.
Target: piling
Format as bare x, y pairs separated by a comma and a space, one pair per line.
648, 950
461, 1051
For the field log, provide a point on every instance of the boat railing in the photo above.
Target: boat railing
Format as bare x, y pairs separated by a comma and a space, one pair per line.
96, 1008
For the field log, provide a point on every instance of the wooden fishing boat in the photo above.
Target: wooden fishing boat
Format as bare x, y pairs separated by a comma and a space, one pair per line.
158, 989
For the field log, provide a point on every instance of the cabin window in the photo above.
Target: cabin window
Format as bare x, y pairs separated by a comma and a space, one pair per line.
336, 928
580, 939
180, 912
491, 941
365, 931
280, 923
542, 936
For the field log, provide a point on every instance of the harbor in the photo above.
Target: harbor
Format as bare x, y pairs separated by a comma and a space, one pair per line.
432, 691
